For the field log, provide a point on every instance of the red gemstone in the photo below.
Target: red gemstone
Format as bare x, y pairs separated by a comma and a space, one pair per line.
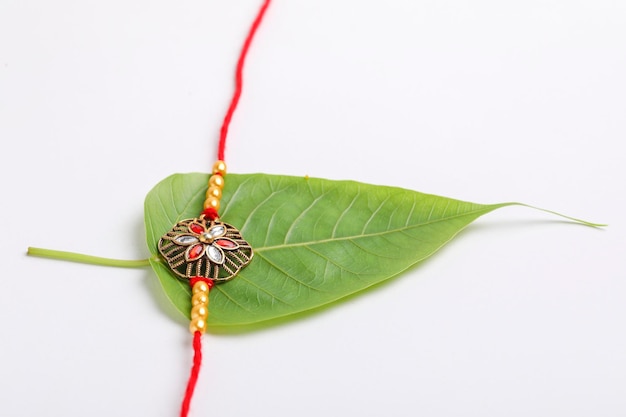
196, 228
195, 252
225, 243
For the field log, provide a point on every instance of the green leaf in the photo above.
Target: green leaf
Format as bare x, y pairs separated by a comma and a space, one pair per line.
315, 241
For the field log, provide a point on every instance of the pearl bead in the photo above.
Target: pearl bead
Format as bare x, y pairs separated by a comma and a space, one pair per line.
200, 286
219, 167
216, 181
197, 325
199, 311
212, 202
214, 192
200, 298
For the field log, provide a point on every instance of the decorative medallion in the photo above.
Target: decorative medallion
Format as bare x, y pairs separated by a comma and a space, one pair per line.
205, 248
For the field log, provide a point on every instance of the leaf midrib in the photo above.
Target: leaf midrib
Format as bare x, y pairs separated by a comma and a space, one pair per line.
483, 210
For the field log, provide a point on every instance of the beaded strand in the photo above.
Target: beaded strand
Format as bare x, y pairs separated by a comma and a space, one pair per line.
216, 185
200, 288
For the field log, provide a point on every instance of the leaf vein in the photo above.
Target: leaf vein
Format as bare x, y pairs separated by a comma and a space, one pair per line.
373, 215
235, 196
408, 218
331, 262
254, 284
344, 212
297, 219
287, 274
231, 299
257, 208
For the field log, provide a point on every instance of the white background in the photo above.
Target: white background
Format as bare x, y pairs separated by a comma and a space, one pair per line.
488, 101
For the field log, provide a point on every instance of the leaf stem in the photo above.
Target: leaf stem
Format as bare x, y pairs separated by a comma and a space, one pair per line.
86, 259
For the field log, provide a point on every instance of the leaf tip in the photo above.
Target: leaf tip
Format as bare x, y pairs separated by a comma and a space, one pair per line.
570, 218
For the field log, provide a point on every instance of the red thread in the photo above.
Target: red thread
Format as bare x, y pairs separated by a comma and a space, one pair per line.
208, 281
211, 213
195, 370
239, 80
197, 354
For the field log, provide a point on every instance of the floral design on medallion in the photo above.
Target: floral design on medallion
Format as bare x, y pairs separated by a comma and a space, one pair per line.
205, 248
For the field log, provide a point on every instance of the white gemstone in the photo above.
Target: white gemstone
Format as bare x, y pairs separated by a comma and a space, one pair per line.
217, 231
186, 239
215, 254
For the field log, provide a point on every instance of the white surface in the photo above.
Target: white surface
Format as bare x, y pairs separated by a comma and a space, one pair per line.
488, 101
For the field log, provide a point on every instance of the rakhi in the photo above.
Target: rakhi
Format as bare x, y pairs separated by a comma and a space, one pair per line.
204, 250
316, 240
